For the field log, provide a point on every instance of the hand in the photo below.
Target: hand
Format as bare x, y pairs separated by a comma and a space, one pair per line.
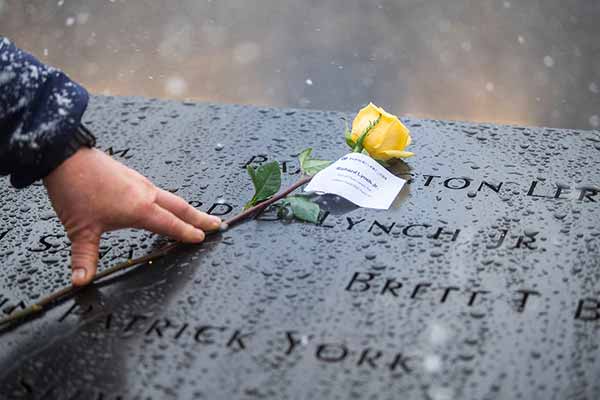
92, 194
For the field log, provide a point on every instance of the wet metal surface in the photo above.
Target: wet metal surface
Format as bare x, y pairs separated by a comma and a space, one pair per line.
481, 282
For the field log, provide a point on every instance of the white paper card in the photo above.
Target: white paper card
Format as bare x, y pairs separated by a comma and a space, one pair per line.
359, 179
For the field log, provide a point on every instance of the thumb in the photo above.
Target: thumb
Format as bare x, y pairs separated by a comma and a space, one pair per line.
84, 259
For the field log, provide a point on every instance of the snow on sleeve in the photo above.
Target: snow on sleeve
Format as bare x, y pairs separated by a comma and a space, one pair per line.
40, 108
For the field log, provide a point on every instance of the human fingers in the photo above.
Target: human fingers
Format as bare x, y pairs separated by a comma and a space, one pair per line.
84, 258
183, 210
163, 222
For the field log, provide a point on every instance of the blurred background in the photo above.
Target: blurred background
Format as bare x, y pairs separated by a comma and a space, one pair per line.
534, 62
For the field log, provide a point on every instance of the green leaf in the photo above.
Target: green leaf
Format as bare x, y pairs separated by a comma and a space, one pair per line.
309, 165
282, 210
304, 209
266, 180
358, 147
348, 135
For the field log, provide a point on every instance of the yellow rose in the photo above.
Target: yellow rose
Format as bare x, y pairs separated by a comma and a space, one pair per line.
387, 139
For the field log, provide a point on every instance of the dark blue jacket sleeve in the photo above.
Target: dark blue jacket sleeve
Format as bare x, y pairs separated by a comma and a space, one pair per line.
40, 112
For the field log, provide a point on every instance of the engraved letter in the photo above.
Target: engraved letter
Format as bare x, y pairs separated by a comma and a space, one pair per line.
361, 281
331, 352
587, 310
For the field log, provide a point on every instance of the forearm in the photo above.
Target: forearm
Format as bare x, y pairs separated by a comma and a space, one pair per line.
40, 111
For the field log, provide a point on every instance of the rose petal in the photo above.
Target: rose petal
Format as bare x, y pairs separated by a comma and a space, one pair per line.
398, 153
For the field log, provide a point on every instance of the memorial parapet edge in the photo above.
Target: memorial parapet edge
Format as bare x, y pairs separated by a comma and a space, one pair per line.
481, 281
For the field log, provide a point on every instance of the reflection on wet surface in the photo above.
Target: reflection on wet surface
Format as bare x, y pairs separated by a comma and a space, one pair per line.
532, 63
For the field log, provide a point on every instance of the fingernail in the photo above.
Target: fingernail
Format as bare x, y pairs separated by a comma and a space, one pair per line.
215, 220
199, 235
78, 274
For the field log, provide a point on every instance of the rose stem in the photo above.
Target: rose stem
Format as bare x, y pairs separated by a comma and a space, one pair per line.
70, 290
261, 206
